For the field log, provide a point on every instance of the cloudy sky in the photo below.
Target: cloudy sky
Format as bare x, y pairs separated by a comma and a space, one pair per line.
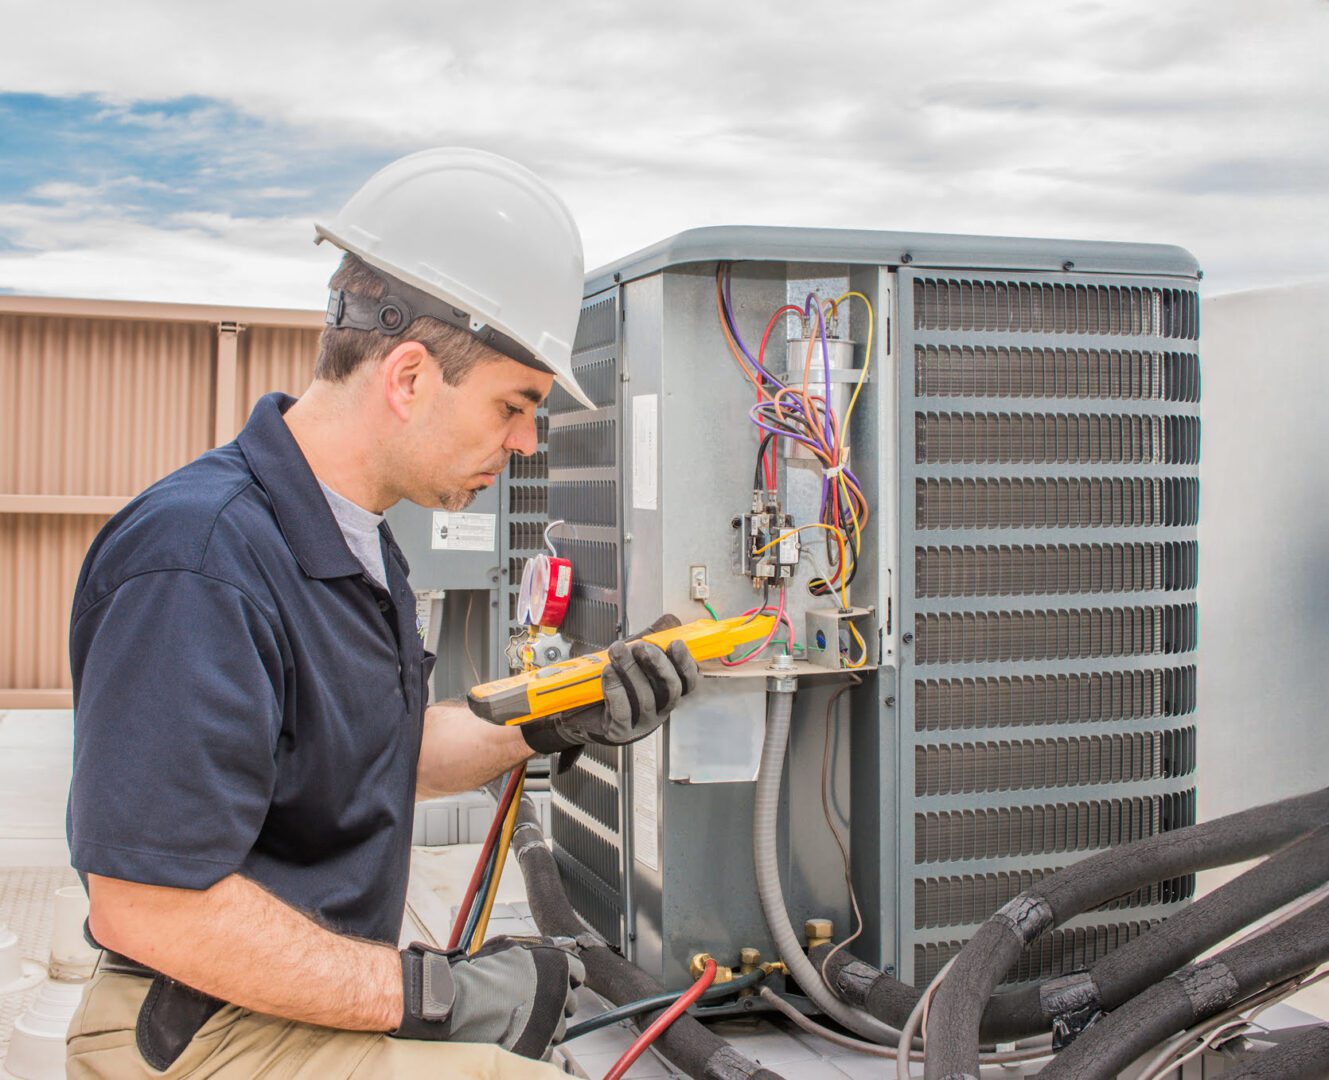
172, 151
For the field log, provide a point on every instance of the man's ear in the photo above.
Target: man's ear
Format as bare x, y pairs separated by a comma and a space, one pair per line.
402, 371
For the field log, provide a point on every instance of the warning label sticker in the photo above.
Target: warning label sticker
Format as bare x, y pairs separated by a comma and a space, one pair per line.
451, 531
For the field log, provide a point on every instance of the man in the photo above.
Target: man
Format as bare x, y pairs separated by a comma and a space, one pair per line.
249, 685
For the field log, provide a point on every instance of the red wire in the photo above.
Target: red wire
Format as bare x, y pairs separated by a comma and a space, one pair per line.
677, 1009
770, 463
775, 627
505, 801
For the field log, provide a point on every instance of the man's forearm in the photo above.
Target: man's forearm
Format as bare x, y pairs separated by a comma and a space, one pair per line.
238, 942
460, 751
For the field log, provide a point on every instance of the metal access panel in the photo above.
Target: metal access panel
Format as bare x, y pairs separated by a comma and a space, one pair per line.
1049, 447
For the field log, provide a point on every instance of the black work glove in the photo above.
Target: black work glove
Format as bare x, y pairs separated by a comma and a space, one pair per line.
642, 684
516, 993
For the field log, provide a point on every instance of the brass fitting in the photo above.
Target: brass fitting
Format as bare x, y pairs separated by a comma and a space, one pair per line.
748, 959
697, 965
818, 932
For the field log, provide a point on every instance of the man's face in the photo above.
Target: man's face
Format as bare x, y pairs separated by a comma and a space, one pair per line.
462, 436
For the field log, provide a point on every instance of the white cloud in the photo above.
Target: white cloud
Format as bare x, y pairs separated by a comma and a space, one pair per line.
1199, 122
202, 259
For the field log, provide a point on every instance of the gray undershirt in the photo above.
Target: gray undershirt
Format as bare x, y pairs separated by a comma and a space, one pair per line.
360, 527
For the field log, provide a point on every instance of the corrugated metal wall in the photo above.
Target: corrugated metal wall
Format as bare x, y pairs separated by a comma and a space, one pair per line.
97, 401
272, 358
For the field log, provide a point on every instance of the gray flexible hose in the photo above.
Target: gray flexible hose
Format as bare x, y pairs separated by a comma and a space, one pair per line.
779, 712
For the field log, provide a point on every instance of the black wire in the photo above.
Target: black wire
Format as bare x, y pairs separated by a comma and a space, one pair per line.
659, 1001
477, 905
759, 481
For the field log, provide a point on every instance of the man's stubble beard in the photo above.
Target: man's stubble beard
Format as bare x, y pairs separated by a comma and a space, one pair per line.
459, 499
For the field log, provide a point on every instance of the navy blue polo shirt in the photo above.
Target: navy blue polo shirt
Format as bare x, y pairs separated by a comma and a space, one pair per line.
246, 699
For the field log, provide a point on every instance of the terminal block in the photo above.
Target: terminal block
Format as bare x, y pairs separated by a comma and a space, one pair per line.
766, 546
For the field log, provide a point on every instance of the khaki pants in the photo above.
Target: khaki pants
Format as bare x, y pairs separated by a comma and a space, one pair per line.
241, 1044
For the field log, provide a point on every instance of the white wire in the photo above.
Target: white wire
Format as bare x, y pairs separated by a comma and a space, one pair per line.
1021, 1054
549, 528
1161, 1063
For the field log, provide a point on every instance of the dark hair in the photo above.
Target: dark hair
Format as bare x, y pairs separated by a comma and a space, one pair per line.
341, 350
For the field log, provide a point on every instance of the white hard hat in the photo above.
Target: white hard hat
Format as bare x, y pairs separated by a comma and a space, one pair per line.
483, 235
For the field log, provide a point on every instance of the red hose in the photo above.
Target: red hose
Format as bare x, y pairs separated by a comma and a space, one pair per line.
677, 1009
505, 800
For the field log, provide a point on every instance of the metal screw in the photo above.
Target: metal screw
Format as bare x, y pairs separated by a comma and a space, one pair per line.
618, 276
1068, 265
907, 638
1199, 275
889, 702
906, 258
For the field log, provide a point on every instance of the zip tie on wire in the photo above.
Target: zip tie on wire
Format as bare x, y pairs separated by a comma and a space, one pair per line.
836, 471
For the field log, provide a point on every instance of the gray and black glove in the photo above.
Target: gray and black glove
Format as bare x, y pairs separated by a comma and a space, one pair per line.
516, 993
642, 683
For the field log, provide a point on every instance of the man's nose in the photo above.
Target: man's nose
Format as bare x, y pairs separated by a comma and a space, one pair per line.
522, 438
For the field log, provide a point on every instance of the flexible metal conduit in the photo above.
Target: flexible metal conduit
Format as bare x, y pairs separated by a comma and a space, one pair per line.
692, 1048
765, 852
1194, 994
957, 1009
1305, 1056
1280, 879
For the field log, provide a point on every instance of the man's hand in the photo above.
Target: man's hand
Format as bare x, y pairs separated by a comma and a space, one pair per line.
642, 684
514, 992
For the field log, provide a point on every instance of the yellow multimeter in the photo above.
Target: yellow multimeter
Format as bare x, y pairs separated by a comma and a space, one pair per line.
572, 684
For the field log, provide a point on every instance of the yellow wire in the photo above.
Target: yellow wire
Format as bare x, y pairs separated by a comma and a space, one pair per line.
504, 843
839, 536
799, 529
853, 513
867, 355
863, 649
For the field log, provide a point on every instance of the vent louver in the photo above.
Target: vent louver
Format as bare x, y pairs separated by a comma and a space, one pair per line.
586, 810
1050, 440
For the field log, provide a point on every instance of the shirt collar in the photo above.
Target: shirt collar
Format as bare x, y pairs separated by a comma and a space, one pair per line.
303, 514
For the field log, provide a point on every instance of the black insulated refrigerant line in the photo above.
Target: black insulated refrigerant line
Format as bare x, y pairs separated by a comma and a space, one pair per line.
692, 1048
957, 1009
1305, 1056
1194, 994
1283, 877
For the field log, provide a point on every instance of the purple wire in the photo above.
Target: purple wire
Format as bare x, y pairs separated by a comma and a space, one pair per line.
733, 329
810, 305
755, 415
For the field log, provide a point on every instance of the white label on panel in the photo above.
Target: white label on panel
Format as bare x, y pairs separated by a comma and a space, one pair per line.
645, 801
462, 532
645, 451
